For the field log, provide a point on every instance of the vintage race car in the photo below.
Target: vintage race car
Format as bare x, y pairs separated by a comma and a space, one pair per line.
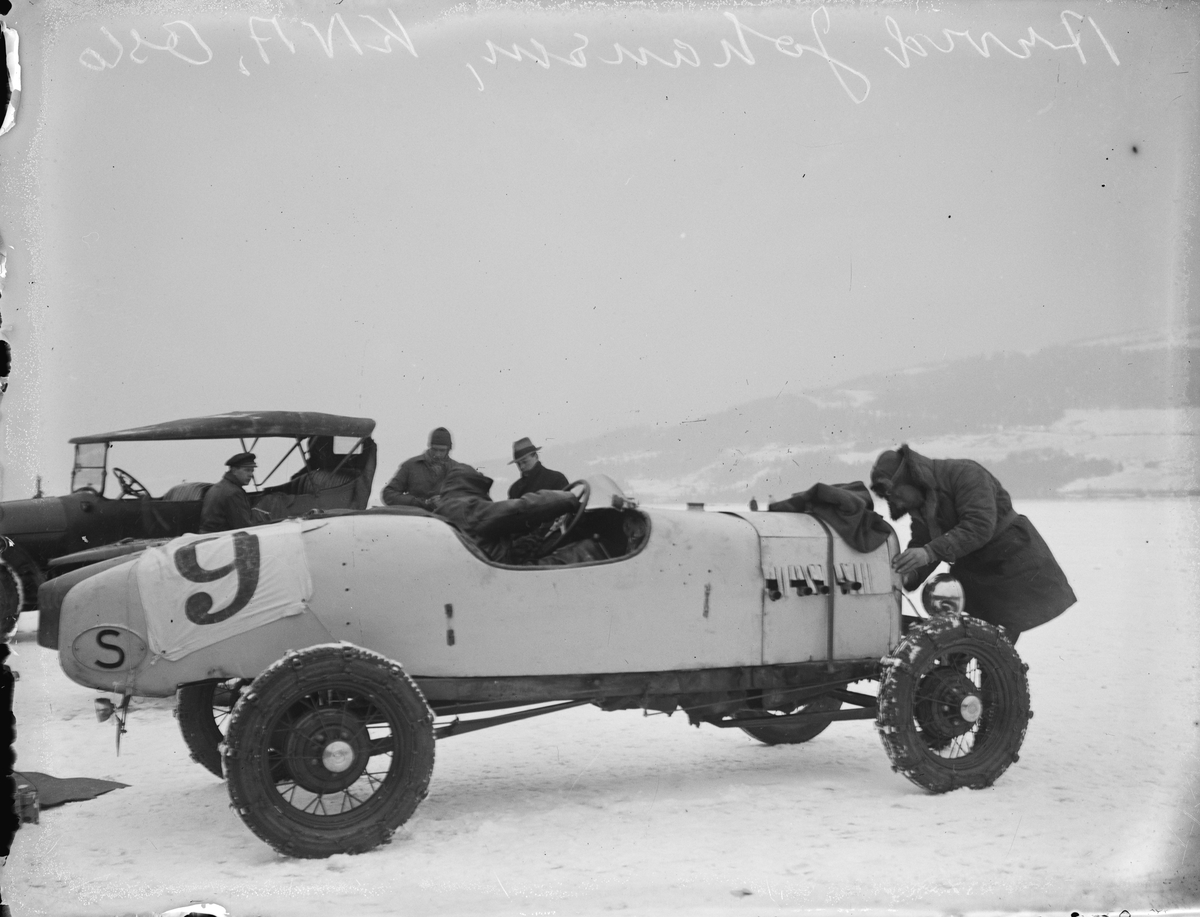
44, 536
340, 646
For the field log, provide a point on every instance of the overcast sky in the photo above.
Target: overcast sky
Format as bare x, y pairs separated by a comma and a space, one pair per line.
236, 213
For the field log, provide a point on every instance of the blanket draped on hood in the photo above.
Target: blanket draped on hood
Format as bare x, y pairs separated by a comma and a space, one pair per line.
845, 508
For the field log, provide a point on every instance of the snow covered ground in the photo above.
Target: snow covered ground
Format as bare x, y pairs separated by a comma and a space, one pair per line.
586, 812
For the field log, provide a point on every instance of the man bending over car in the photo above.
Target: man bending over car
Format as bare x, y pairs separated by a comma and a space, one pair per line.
500, 529
963, 516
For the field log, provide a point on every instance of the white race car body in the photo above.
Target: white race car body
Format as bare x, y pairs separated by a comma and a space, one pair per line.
686, 591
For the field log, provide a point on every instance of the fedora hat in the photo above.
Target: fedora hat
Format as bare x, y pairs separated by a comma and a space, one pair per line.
521, 448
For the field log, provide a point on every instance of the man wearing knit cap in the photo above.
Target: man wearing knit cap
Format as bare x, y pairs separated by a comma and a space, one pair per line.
962, 515
226, 505
418, 481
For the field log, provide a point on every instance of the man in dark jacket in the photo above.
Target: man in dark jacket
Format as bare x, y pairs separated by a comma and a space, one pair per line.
499, 529
226, 505
963, 516
418, 479
534, 475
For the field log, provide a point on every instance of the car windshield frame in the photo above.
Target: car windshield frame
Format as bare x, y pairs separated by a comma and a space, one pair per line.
84, 467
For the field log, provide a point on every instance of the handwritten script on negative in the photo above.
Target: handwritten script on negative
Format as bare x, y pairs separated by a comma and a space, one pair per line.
740, 45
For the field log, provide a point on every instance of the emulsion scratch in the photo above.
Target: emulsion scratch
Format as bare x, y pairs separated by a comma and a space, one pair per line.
477, 79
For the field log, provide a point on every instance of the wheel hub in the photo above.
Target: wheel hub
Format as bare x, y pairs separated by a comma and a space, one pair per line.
948, 705
338, 756
971, 708
327, 750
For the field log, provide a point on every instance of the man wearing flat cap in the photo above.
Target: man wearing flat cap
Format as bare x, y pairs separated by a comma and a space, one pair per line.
226, 505
534, 475
962, 515
418, 481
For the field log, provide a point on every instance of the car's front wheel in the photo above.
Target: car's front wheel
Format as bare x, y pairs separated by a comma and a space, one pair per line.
329, 751
953, 704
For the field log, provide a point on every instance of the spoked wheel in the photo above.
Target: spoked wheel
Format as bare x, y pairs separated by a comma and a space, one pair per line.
329, 751
797, 731
953, 704
203, 711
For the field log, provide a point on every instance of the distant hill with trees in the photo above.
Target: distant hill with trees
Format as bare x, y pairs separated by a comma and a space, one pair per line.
1101, 417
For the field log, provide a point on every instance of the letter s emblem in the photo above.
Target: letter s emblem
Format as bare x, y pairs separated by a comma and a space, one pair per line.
111, 647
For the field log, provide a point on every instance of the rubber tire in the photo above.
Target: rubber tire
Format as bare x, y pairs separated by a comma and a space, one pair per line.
10, 602
252, 736
800, 731
195, 709
1001, 728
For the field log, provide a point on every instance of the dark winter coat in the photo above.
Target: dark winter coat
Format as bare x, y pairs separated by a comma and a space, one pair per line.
496, 527
225, 507
845, 508
1008, 574
416, 480
539, 477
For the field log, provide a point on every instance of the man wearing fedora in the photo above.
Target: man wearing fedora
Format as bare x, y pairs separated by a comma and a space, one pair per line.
962, 515
226, 505
418, 481
534, 475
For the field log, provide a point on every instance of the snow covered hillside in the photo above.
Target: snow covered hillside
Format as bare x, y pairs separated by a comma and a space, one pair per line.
1118, 416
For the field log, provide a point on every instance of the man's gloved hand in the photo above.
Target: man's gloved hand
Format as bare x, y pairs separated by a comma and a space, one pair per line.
911, 561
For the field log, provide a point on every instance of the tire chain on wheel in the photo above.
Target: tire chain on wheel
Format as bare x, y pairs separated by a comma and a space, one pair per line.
294, 665
932, 638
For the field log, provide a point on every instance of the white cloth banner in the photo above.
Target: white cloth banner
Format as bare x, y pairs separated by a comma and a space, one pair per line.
200, 589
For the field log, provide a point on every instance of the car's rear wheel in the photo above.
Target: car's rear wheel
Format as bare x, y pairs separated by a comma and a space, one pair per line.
10, 601
796, 731
329, 751
953, 704
203, 711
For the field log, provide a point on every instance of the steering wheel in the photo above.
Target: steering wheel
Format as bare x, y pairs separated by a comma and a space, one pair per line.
562, 528
130, 486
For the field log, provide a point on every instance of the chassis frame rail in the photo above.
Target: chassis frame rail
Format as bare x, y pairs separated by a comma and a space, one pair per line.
459, 726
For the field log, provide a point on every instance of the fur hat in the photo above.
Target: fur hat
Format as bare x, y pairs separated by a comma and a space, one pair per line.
884, 472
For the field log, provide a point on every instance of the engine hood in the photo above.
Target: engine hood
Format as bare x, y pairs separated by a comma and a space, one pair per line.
33, 517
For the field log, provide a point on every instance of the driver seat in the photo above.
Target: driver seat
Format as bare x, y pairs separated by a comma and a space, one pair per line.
189, 490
